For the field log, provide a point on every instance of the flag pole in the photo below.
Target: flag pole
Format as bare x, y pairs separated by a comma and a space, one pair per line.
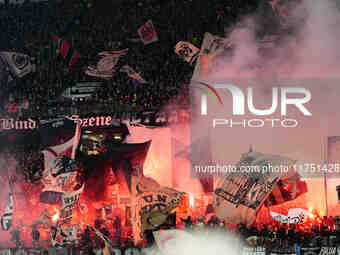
324, 162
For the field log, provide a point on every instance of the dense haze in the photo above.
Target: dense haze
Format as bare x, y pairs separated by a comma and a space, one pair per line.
307, 58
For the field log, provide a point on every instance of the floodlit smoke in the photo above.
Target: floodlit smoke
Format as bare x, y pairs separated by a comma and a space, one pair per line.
197, 243
309, 50
161, 162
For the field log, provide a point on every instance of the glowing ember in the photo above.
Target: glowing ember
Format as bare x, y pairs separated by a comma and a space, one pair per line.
310, 214
191, 200
55, 217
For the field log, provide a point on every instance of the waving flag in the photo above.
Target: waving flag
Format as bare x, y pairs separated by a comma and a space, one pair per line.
59, 169
212, 46
18, 64
151, 204
106, 64
241, 195
287, 189
148, 33
132, 74
6, 219
187, 51
70, 55
108, 247
295, 216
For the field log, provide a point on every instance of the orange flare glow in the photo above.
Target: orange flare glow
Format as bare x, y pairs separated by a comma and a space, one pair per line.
55, 217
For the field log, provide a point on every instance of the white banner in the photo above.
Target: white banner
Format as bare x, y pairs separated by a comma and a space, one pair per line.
295, 216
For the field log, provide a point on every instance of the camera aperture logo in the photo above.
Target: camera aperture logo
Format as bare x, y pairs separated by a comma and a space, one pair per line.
280, 96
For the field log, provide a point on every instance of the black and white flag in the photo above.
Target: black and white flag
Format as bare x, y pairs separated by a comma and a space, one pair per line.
19, 64
6, 218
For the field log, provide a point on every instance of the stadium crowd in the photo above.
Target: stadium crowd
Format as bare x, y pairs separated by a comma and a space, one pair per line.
322, 231
92, 27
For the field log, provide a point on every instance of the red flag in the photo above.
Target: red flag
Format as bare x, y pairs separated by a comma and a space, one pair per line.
285, 190
148, 33
70, 55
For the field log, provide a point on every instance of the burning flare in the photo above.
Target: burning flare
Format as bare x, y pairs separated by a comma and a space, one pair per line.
191, 200
55, 217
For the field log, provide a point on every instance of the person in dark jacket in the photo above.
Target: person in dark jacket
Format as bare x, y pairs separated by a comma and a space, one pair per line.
188, 223
35, 236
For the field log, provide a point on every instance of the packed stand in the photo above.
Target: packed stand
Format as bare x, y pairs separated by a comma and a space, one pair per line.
91, 28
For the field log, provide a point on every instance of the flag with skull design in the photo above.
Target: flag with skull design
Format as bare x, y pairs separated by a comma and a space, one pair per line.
187, 51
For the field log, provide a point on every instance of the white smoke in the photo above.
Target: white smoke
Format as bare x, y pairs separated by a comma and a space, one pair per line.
309, 51
198, 243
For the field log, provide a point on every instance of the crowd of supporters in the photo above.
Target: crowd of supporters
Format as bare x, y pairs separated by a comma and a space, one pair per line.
321, 231
91, 27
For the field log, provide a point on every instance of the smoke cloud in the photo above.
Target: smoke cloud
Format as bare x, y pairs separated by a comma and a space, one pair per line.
205, 242
307, 57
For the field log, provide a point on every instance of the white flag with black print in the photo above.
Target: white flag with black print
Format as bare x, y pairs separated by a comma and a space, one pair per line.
59, 169
7, 216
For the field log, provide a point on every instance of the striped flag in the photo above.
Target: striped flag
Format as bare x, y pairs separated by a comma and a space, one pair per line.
70, 55
285, 190
6, 219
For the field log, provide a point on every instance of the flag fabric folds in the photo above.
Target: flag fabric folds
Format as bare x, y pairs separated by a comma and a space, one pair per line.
211, 47
132, 74
106, 64
295, 216
70, 55
151, 204
51, 130
59, 169
287, 189
240, 195
18, 64
187, 51
148, 33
